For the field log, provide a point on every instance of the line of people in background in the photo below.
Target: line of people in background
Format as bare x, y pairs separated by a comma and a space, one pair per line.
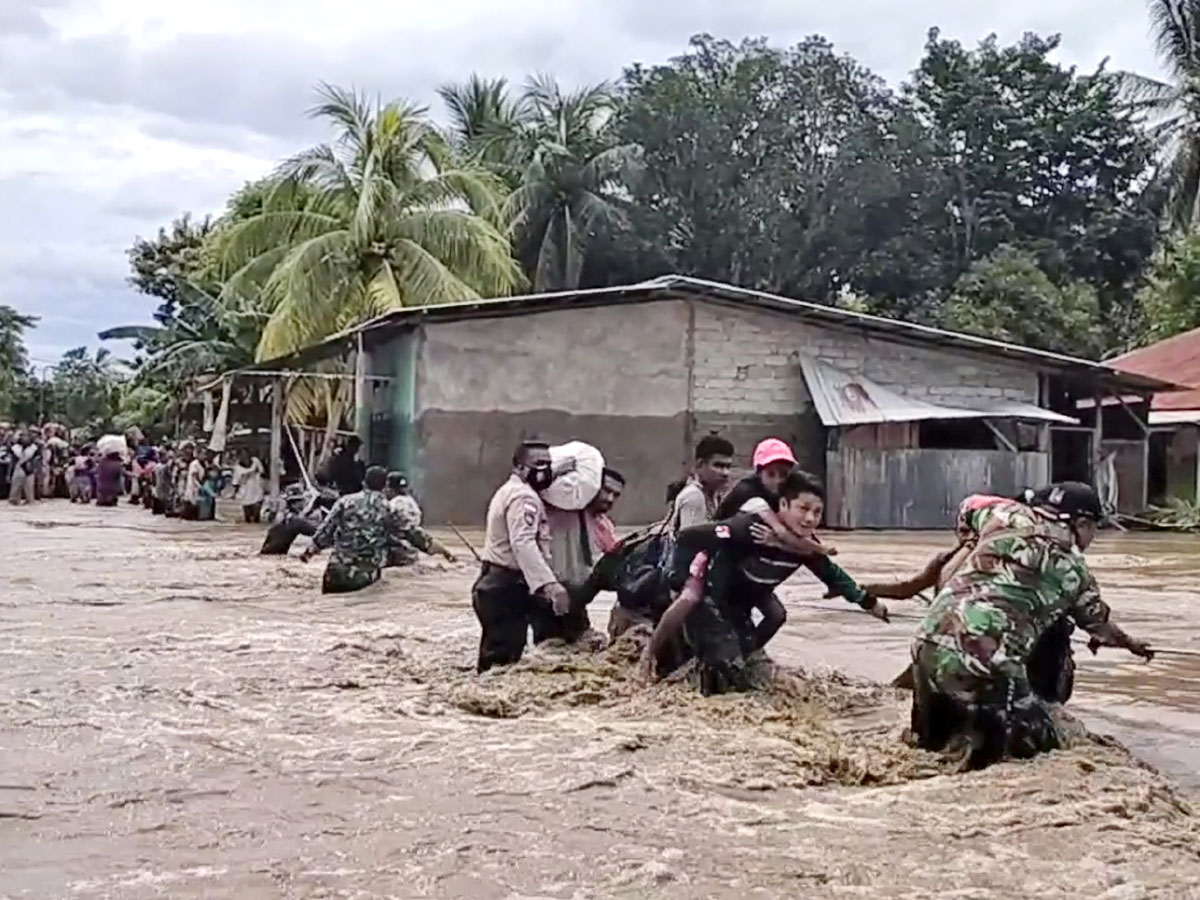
178, 481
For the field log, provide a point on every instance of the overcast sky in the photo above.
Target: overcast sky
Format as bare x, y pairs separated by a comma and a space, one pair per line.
117, 115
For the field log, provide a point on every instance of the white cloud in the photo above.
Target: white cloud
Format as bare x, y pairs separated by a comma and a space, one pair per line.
116, 115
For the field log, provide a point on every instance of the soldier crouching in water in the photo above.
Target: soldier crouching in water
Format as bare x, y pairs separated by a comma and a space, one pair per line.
516, 587
727, 569
358, 528
1051, 667
971, 654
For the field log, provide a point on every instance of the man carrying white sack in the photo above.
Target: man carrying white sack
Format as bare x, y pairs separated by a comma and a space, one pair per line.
577, 508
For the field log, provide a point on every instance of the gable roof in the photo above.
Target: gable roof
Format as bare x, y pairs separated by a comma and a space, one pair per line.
676, 287
1176, 359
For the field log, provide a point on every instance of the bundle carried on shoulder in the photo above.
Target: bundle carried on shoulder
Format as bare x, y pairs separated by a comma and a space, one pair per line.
112, 443
579, 487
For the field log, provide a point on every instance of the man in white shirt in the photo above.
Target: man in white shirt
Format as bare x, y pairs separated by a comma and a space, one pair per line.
25, 469
248, 479
191, 480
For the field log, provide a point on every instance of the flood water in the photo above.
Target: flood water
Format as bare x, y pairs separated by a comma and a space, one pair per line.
182, 718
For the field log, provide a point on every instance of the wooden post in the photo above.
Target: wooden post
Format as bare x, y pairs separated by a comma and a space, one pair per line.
362, 412
276, 466
1097, 438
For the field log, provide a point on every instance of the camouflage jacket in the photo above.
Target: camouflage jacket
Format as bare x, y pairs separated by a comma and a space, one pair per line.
1023, 574
358, 527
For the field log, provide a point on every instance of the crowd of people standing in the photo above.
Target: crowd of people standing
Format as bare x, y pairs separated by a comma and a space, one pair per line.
177, 480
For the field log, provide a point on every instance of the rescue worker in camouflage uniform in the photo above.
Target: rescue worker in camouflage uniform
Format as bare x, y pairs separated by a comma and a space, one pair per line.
971, 653
1051, 665
358, 529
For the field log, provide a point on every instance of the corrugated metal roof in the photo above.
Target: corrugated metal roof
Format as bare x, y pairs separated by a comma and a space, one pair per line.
1177, 359
683, 287
842, 398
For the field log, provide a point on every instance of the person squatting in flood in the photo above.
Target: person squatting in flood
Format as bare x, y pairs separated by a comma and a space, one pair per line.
300, 513
358, 529
724, 571
1051, 667
517, 587
400, 552
971, 653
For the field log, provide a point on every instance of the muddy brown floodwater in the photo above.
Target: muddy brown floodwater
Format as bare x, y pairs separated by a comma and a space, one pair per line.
181, 718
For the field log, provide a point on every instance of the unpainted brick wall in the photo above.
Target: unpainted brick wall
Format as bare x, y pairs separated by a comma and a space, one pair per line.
748, 361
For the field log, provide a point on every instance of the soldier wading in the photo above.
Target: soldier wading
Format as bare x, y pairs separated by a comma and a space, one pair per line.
358, 529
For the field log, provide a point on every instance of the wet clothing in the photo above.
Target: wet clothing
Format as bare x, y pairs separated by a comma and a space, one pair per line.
749, 488
284, 531
401, 552
81, 480
358, 529
248, 480
972, 652
577, 539
739, 575
506, 610
518, 533
110, 481
516, 567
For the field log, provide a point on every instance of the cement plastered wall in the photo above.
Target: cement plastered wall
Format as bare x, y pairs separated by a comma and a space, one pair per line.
614, 376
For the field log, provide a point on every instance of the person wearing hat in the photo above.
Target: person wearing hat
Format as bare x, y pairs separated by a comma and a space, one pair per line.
400, 552
723, 572
758, 494
972, 651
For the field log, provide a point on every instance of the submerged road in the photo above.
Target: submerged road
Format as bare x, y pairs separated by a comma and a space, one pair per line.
181, 718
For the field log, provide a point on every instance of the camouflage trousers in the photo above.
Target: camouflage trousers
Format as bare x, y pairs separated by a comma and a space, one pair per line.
994, 708
342, 579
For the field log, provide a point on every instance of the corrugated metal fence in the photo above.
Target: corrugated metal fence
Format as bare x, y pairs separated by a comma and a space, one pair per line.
921, 488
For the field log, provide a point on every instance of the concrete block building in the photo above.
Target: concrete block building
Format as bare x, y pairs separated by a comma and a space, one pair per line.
901, 420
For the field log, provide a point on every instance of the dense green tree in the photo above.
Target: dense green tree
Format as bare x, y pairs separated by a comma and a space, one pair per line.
1008, 297
1171, 298
85, 389
176, 254
777, 169
1038, 157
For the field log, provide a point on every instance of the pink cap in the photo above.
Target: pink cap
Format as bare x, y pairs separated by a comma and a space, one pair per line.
772, 450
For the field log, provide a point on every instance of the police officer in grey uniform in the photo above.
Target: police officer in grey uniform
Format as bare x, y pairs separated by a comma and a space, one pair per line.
516, 586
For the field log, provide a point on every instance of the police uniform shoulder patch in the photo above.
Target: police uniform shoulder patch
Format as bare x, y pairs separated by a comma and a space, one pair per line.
530, 515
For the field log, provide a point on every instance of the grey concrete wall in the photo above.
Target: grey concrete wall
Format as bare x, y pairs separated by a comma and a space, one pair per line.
615, 377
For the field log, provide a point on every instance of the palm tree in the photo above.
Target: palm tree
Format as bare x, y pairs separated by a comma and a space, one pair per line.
1172, 108
206, 335
486, 124
385, 217
571, 185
